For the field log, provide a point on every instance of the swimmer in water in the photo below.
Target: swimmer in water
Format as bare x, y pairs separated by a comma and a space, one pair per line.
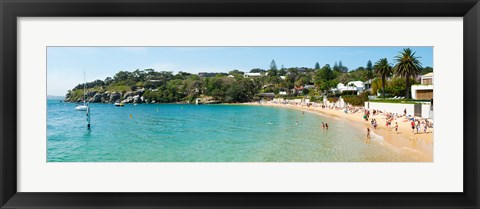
323, 125
326, 126
297, 122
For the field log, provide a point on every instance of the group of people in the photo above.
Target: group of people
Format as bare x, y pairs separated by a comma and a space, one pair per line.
325, 125
374, 123
366, 114
351, 109
419, 125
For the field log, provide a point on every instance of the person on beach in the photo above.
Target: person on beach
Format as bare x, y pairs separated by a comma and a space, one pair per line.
368, 133
375, 124
396, 127
412, 123
418, 126
405, 112
425, 127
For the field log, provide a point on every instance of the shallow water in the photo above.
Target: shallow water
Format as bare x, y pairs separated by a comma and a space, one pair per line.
204, 133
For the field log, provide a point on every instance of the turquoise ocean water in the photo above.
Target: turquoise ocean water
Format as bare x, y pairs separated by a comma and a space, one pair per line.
204, 133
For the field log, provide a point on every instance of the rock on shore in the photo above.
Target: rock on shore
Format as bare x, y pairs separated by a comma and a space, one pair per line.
111, 97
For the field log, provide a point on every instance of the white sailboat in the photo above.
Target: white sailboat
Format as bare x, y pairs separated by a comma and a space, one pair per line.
83, 107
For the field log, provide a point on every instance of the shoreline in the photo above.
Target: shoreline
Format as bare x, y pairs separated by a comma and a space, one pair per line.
419, 146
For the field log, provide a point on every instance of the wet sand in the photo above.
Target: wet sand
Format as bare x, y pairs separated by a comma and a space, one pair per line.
405, 142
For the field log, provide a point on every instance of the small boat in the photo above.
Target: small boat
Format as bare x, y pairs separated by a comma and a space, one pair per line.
83, 107
119, 104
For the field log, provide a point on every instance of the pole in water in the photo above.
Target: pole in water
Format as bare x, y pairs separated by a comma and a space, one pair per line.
88, 117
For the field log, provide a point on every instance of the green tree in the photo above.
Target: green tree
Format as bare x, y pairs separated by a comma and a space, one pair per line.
235, 72
407, 66
383, 69
317, 66
273, 65
272, 72
324, 78
121, 76
108, 81
342, 68
426, 70
336, 67
369, 66
257, 70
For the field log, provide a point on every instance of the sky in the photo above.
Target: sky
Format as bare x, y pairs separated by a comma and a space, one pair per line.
66, 65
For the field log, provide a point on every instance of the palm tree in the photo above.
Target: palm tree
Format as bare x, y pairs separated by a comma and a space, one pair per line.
407, 66
383, 69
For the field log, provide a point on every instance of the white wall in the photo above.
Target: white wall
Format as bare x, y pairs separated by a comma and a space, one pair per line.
425, 111
398, 108
339, 103
391, 107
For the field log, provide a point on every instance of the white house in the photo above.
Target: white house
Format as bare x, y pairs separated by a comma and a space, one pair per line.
355, 86
248, 75
423, 91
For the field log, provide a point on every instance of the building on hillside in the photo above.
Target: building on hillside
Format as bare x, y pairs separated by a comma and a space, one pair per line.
249, 75
297, 90
367, 85
302, 70
427, 79
352, 86
424, 90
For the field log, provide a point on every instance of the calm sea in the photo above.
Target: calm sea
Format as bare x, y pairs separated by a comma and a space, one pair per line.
204, 133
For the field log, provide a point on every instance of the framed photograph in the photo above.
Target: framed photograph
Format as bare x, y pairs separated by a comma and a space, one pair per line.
227, 104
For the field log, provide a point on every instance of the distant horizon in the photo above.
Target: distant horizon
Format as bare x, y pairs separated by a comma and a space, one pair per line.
65, 65
55, 96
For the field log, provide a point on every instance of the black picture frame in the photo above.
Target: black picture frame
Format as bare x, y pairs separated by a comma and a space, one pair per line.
11, 9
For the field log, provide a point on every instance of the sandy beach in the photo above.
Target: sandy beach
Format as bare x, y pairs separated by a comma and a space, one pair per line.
404, 141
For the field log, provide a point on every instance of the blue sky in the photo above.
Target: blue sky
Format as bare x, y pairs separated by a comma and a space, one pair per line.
65, 65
